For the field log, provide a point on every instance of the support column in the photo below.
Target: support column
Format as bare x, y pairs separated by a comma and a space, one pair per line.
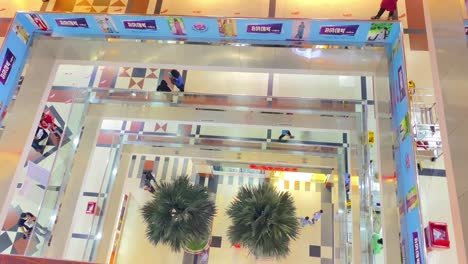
449, 63
21, 122
69, 202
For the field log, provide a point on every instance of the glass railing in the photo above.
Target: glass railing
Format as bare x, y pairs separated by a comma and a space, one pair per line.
365, 192
332, 107
59, 174
232, 143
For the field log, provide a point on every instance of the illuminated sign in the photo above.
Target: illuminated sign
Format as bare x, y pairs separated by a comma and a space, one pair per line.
272, 168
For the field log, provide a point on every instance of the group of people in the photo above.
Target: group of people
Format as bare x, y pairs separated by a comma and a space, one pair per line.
176, 79
315, 218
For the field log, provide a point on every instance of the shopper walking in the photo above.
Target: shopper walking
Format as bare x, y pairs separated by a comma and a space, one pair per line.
386, 5
149, 188
149, 177
285, 133
177, 80
305, 221
317, 216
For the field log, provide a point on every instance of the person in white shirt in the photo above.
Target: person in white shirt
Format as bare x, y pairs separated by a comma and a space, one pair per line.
317, 216
305, 221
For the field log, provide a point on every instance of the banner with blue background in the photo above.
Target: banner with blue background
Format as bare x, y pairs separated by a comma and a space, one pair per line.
267, 31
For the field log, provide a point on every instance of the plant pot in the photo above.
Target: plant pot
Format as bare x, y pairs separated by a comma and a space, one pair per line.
197, 247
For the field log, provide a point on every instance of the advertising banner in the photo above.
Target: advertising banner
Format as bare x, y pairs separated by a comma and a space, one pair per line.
347, 30
72, 22
7, 64
265, 28
405, 160
12, 57
140, 24
264, 31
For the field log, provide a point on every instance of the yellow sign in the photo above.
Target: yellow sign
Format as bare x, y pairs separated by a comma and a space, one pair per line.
371, 137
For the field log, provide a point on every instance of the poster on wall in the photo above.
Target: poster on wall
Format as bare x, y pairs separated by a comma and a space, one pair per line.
274, 28
20, 32
379, 31
416, 248
149, 24
300, 29
405, 126
412, 199
341, 30
106, 24
38, 21
177, 26
72, 22
227, 28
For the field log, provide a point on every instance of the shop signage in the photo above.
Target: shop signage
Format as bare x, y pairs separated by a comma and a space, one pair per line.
7, 65
265, 28
91, 208
72, 22
345, 30
271, 168
140, 24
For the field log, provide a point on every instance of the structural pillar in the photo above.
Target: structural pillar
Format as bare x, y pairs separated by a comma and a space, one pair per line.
449, 62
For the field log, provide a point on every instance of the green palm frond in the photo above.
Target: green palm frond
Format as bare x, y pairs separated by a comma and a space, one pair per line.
178, 213
263, 220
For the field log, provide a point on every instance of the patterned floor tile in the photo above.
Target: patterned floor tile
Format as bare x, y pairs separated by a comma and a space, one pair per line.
326, 252
152, 73
150, 84
122, 82
314, 251
5, 242
118, 3
160, 127
84, 3
139, 72
125, 71
101, 2
136, 83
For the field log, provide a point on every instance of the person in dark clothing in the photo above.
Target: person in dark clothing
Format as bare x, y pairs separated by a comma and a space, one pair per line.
149, 188
163, 87
39, 137
27, 222
285, 133
386, 5
149, 177
177, 80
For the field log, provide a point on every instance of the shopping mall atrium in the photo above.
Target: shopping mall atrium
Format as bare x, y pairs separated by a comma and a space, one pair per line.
235, 132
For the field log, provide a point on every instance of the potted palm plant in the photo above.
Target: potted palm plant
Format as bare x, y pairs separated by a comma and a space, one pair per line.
179, 215
263, 220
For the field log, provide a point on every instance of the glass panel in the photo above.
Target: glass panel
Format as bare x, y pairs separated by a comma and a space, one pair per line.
105, 189
238, 102
69, 137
